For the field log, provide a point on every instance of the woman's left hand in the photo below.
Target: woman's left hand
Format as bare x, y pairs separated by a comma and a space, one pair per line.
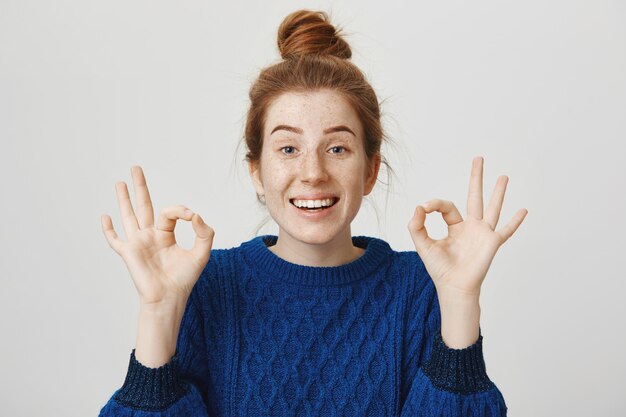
459, 263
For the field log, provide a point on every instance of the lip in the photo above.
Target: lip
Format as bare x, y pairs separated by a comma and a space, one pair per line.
317, 196
315, 215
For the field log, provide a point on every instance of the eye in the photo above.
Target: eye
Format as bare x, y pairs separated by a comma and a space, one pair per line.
338, 149
288, 150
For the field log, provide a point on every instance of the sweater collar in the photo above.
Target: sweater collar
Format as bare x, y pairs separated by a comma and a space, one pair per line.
260, 258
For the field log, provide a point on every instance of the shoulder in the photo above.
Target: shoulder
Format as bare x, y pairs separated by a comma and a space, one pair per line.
220, 265
221, 262
213, 287
419, 287
408, 262
405, 267
225, 263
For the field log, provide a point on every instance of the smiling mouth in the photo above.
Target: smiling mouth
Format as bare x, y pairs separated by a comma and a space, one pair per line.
323, 204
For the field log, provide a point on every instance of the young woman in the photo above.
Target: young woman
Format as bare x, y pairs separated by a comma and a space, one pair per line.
313, 321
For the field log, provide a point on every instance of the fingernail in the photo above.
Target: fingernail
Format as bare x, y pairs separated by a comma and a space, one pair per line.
188, 212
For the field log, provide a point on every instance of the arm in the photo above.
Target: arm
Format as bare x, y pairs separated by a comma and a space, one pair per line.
453, 380
171, 389
448, 381
164, 377
460, 319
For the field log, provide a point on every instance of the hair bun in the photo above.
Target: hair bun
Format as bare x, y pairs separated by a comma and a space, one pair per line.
308, 32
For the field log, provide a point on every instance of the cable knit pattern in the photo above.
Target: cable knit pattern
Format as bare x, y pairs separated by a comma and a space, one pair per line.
264, 337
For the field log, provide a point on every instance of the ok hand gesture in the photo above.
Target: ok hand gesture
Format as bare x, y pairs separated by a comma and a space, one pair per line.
459, 263
163, 272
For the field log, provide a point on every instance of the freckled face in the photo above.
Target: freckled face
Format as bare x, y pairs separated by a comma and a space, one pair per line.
313, 150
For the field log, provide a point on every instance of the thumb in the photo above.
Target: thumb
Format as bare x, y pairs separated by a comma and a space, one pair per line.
418, 231
204, 239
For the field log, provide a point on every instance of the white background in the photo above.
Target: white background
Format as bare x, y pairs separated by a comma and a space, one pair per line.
538, 88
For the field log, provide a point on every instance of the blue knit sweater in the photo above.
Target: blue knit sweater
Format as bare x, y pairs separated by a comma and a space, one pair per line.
261, 336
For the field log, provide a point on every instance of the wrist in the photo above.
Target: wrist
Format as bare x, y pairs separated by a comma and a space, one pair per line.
157, 334
460, 319
162, 312
167, 304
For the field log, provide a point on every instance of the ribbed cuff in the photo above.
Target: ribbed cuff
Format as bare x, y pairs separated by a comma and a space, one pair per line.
458, 370
151, 389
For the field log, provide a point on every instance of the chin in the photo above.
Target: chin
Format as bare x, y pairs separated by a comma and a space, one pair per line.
314, 237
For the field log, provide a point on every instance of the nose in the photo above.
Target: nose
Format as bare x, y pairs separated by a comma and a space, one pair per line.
313, 170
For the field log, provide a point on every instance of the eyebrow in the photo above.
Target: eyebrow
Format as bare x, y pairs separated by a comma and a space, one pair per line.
333, 129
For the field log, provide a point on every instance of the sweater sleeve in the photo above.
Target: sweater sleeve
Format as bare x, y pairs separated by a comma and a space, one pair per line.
443, 381
173, 389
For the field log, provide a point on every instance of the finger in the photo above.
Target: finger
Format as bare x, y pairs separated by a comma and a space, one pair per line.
475, 196
495, 203
507, 231
418, 231
129, 221
143, 203
448, 210
204, 239
169, 216
109, 233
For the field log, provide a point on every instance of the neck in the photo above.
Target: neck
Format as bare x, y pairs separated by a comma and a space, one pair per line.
338, 251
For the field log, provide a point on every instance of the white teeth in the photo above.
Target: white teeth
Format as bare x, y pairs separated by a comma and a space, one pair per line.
313, 203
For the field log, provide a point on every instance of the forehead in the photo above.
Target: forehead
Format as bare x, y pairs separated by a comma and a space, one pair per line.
312, 111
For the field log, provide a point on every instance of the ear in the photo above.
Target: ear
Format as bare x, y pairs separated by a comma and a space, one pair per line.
372, 174
255, 174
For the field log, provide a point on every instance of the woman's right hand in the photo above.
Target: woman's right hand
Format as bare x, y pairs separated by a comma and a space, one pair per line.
163, 272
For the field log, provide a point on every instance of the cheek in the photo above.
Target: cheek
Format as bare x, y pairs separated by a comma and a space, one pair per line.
350, 179
275, 178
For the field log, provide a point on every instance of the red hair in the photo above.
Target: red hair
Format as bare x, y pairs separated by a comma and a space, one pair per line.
315, 57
